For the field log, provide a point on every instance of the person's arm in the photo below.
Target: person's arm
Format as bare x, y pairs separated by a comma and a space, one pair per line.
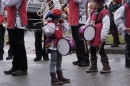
78, 1
1, 8
66, 1
118, 16
9, 3
57, 4
105, 27
64, 25
49, 29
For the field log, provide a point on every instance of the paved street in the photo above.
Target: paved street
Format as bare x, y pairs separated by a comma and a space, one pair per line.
38, 72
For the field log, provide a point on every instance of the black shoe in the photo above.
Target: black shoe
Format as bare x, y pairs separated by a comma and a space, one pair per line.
84, 63
19, 73
37, 59
9, 57
114, 45
76, 62
127, 65
1, 58
9, 71
46, 58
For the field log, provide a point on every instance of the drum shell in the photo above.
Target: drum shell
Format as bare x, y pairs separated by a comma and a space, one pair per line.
87, 32
81, 32
33, 18
71, 43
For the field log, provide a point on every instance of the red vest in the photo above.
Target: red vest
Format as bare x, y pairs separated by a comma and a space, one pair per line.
127, 15
98, 26
73, 17
12, 15
1, 19
58, 34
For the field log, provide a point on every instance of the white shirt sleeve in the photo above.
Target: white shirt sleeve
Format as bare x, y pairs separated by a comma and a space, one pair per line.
66, 1
65, 26
1, 8
105, 27
118, 19
49, 29
57, 4
9, 3
78, 1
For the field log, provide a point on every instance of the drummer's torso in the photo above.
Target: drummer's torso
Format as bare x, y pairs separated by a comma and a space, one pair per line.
96, 20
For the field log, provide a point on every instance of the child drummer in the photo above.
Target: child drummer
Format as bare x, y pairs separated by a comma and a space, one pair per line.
54, 30
99, 18
122, 21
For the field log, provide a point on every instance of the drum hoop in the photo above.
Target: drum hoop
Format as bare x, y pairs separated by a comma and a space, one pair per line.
84, 31
79, 34
68, 43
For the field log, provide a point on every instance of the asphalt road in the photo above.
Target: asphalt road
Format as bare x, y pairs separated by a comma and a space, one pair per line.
38, 72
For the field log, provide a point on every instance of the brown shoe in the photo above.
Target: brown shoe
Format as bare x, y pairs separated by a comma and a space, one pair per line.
54, 80
60, 77
106, 67
93, 67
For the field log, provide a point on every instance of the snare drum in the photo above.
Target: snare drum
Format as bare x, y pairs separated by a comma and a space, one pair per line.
86, 32
66, 46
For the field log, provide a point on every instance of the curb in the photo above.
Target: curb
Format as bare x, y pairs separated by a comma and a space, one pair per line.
114, 51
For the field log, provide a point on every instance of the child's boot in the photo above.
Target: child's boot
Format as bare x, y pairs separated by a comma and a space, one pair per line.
54, 80
60, 77
106, 67
93, 67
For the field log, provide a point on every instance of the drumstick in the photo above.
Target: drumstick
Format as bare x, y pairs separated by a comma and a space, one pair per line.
38, 23
99, 49
85, 46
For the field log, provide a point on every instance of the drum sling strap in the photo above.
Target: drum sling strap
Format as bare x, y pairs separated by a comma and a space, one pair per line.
96, 22
99, 10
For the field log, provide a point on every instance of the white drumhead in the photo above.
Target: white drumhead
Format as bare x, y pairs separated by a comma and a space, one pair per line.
63, 46
89, 33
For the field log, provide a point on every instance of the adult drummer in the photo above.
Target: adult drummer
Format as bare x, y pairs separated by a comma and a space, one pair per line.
16, 23
77, 18
38, 35
99, 18
2, 30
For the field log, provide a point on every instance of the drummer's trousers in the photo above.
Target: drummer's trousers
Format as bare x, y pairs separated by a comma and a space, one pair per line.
81, 46
16, 37
114, 33
95, 50
127, 50
40, 50
2, 32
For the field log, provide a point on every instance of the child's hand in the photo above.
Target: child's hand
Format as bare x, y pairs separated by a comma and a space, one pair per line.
103, 40
127, 28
